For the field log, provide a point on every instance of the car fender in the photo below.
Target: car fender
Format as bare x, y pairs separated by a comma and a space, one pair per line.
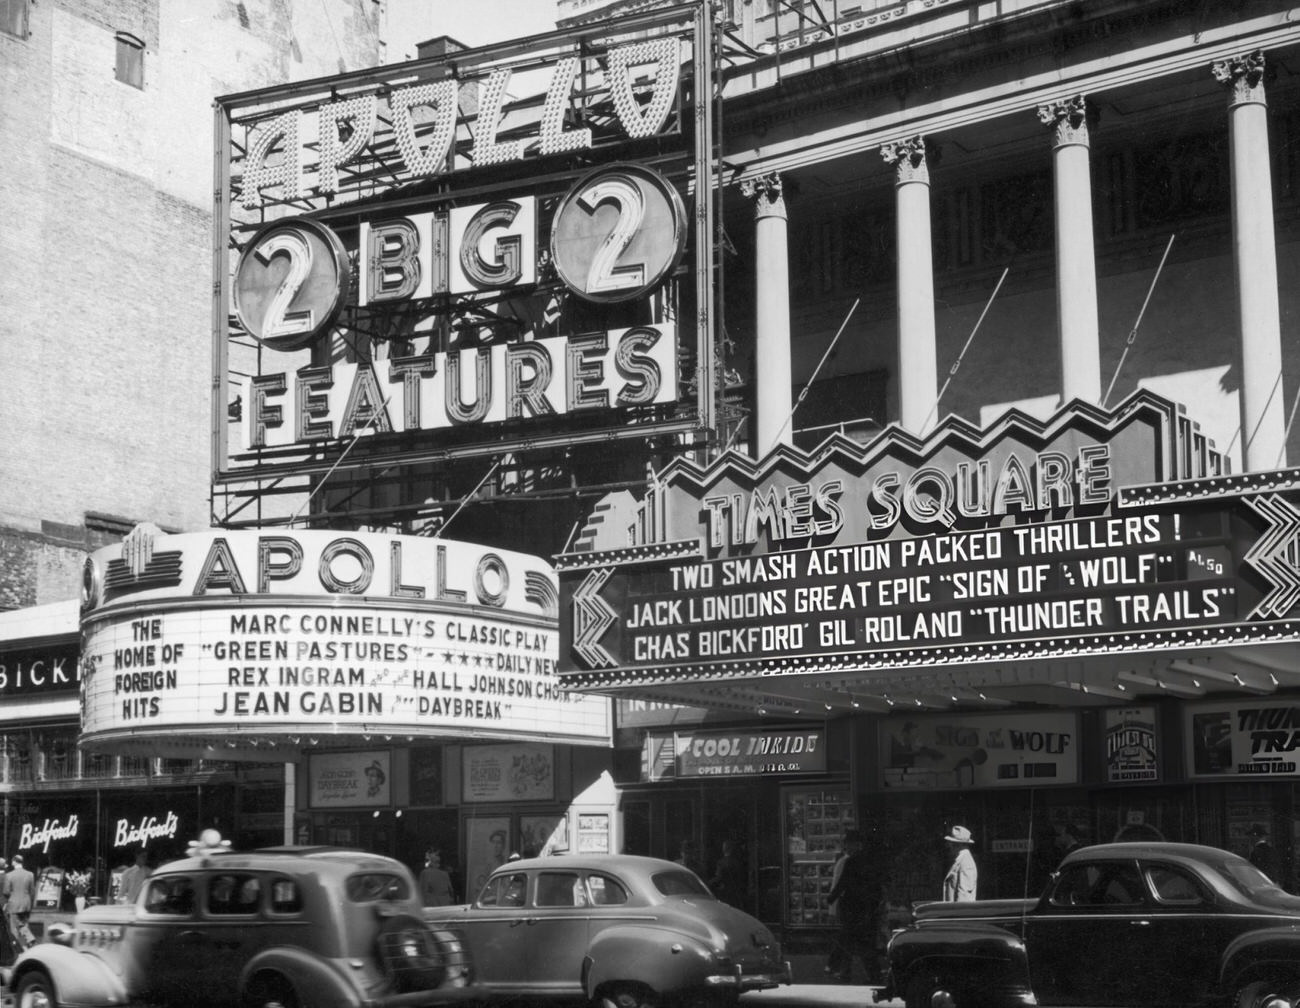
316, 980
986, 954
78, 978
1268, 952
644, 953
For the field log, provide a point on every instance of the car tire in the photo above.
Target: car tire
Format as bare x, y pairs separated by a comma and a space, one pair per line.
35, 990
929, 991
628, 995
1261, 992
270, 991
411, 954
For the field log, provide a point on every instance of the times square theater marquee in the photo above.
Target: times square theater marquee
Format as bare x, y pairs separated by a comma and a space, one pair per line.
1095, 551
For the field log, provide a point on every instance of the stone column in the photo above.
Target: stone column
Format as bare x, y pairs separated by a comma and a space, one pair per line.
772, 315
1076, 265
917, 382
1263, 422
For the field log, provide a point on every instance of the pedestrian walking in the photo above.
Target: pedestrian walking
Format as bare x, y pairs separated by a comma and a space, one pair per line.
855, 897
133, 878
18, 893
690, 857
7, 950
729, 876
1261, 852
960, 882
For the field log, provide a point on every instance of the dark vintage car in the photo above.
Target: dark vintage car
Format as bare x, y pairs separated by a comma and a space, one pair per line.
290, 927
1119, 924
618, 930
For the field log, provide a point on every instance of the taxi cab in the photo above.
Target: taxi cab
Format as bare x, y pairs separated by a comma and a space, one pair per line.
284, 927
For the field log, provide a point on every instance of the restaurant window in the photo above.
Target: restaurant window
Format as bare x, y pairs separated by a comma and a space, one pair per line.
14, 17
130, 60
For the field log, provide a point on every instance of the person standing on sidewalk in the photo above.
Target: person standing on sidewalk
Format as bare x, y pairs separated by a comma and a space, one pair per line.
960, 882
855, 898
19, 895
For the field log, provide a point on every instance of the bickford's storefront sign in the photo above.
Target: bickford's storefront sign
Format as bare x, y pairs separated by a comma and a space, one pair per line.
968, 548
275, 642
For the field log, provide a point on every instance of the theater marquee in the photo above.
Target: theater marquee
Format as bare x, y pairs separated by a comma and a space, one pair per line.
247, 642
501, 250
1094, 533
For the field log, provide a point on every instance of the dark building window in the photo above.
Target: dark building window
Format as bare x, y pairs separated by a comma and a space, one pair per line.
130, 60
13, 17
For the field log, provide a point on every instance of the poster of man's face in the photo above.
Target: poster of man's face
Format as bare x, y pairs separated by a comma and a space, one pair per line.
487, 845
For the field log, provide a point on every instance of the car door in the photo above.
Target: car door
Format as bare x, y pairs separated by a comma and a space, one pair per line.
1186, 938
1087, 942
496, 927
163, 937
557, 931
203, 956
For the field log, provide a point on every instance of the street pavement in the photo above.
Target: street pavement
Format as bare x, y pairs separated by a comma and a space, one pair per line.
812, 995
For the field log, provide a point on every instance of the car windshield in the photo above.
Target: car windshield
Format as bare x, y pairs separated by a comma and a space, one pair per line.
372, 887
680, 883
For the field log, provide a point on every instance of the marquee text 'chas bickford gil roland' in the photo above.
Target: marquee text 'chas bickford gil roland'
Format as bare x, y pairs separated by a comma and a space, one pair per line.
270, 633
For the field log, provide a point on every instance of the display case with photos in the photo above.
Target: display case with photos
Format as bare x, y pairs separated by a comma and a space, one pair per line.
814, 822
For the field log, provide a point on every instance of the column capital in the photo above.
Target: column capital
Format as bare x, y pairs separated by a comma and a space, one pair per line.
1069, 118
908, 158
767, 192
1243, 75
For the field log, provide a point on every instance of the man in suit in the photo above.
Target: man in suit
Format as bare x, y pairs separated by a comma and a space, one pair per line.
18, 894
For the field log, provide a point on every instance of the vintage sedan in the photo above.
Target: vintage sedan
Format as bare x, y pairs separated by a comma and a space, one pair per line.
617, 930
284, 927
1118, 924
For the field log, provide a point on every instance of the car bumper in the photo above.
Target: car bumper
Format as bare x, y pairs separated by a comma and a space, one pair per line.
762, 980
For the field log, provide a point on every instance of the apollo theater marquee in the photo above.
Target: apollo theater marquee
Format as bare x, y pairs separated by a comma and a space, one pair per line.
459, 257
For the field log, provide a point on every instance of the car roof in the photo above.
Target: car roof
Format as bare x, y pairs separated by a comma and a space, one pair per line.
1149, 849
593, 862
285, 859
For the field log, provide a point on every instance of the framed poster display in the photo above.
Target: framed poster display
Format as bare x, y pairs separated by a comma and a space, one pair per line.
523, 771
814, 823
487, 845
543, 834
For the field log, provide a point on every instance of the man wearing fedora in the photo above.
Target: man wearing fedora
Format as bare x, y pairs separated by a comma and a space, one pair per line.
959, 883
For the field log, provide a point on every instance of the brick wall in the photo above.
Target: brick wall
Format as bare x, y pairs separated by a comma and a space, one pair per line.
105, 258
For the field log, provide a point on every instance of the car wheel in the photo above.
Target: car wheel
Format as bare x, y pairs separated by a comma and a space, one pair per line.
930, 992
628, 995
1266, 994
35, 990
270, 991
411, 954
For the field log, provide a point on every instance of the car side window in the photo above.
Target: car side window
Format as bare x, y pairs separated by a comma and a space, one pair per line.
172, 895
231, 893
1173, 885
505, 891
605, 891
286, 897
1098, 886
559, 889
1119, 885
1074, 886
